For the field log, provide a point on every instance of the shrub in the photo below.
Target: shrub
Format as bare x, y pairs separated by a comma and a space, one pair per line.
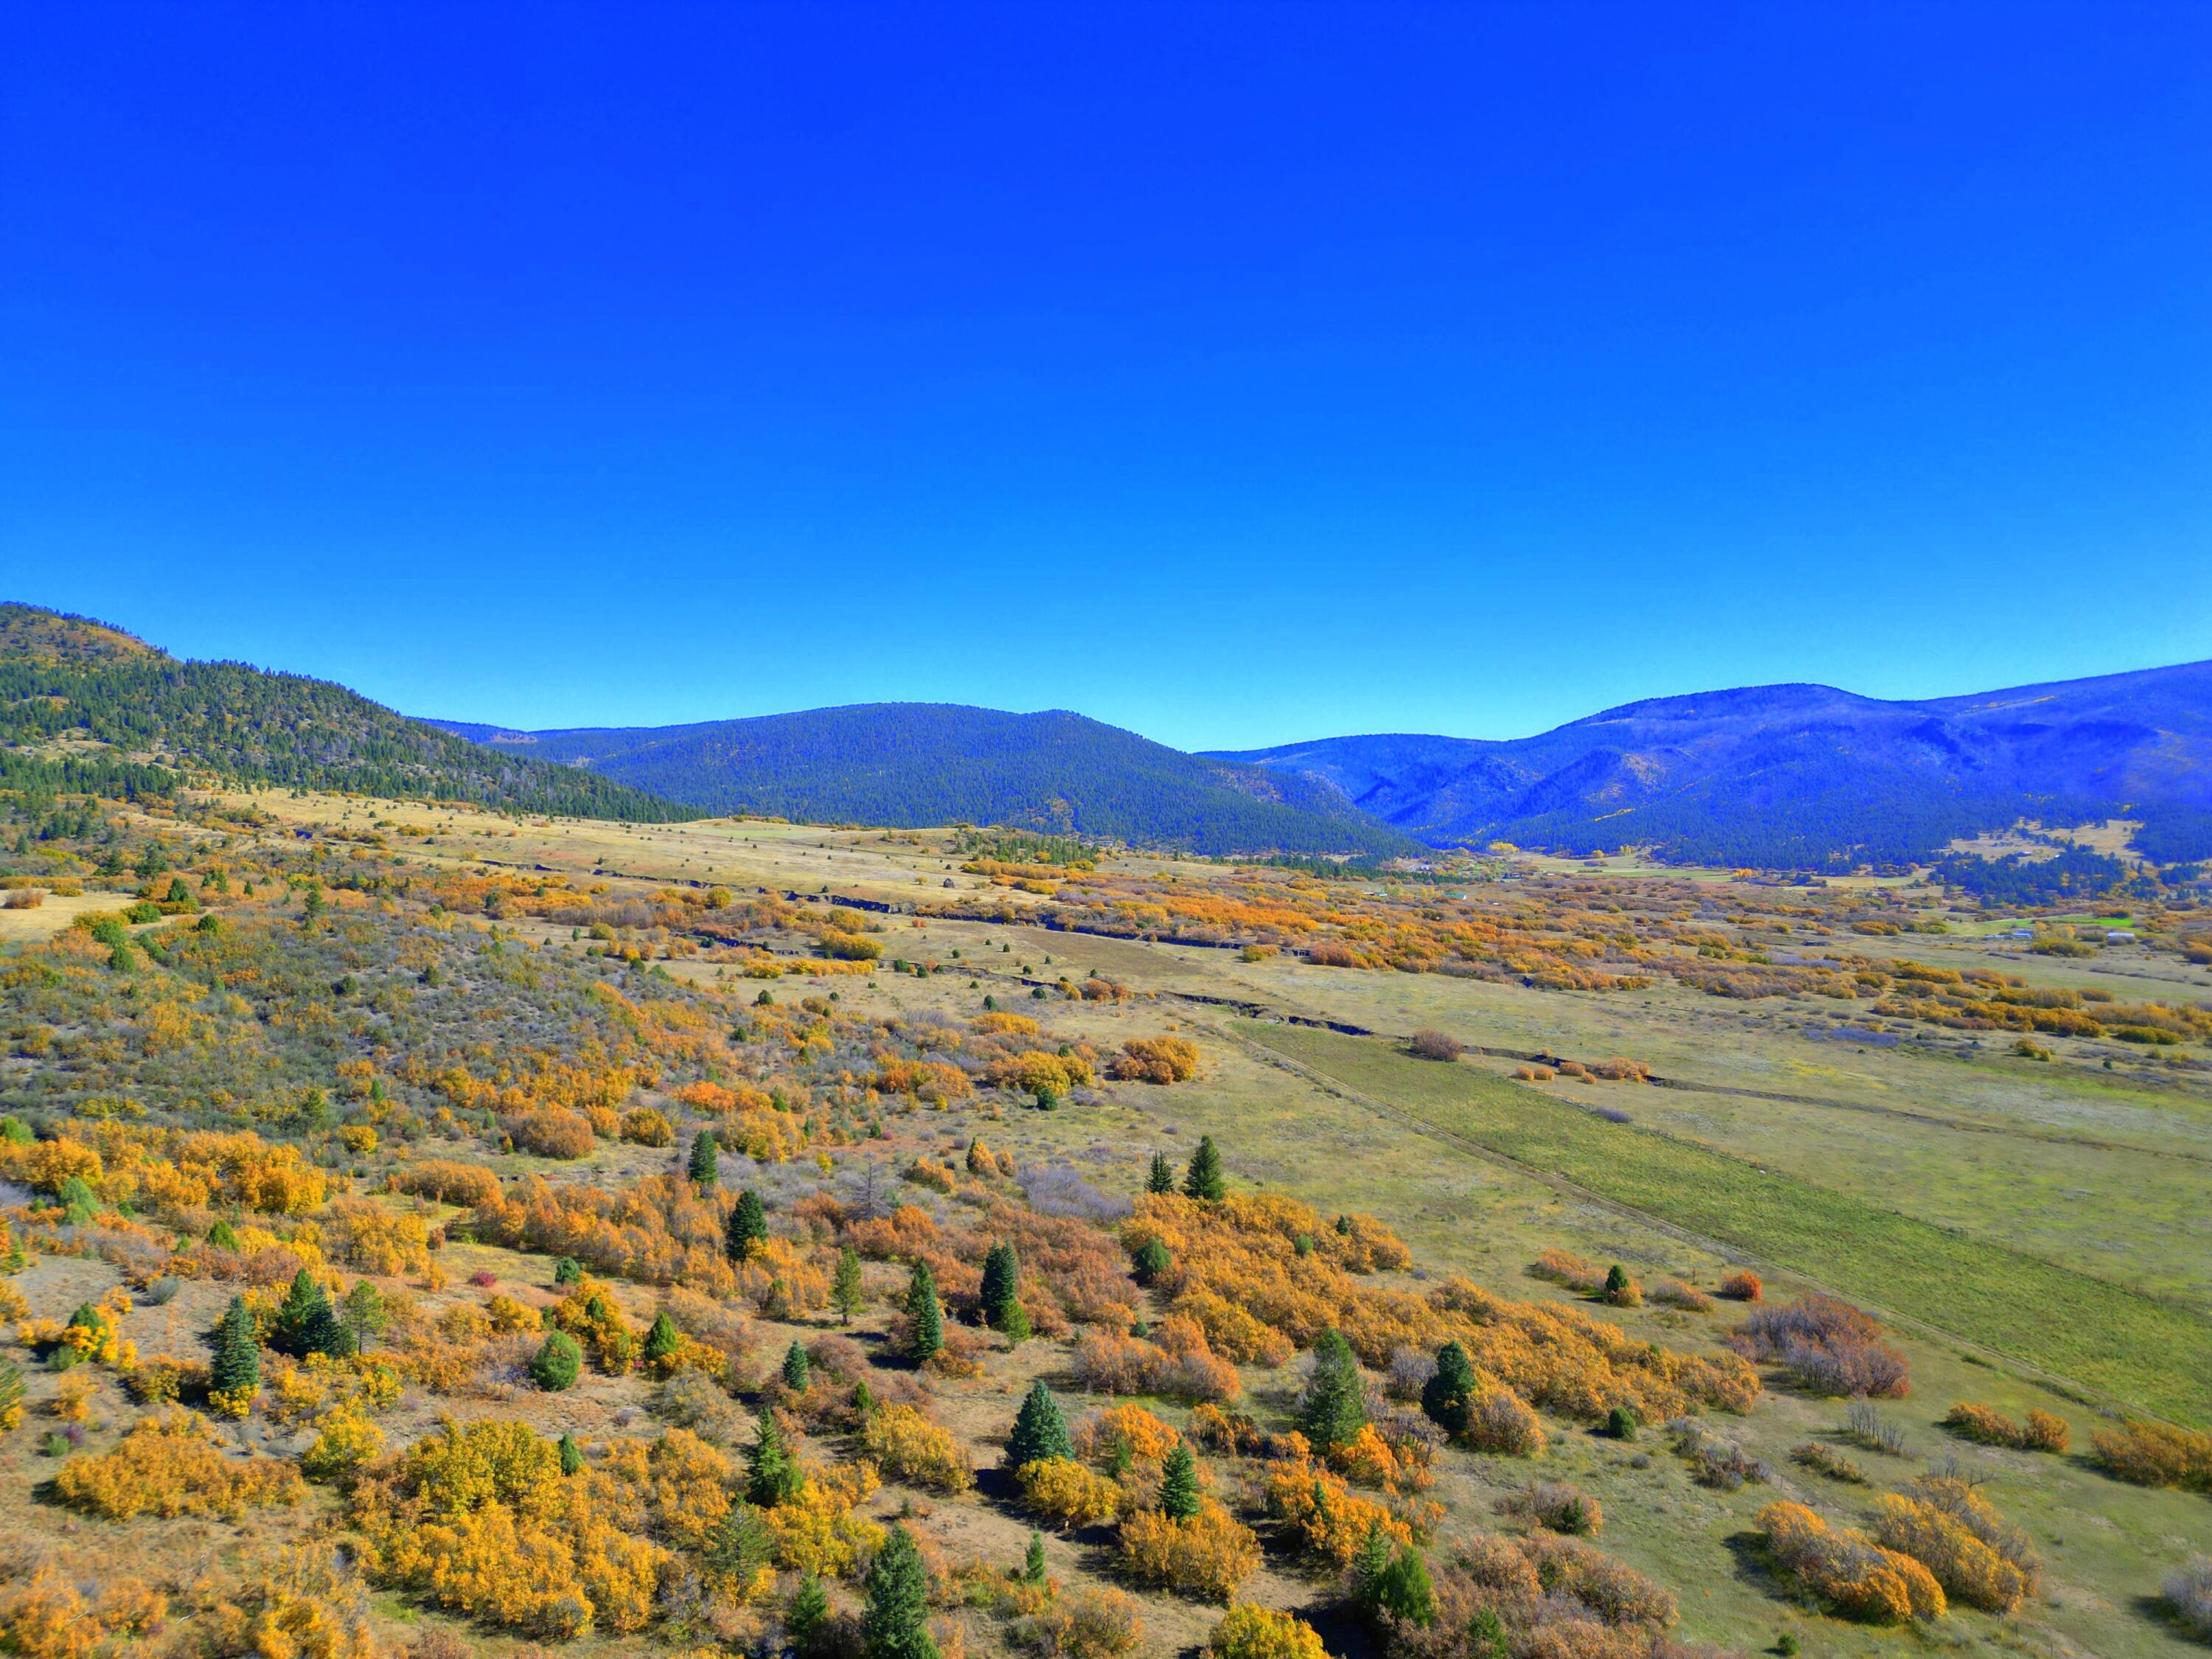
1061, 1491
1250, 1632
558, 1363
1566, 1267
1827, 1345
2187, 1593
551, 1132
1501, 1422
1124, 1428
1715, 1461
1435, 1045
2154, 1455
1860, 1580
1827, 1460
644, 1126
1865, 1426
1155, 1059
908, 1447
1559, 1506
1743, 1287
2042, 1431
1949, 1528
1673, 1293
1207, 1554
1086, 1624
168, 1464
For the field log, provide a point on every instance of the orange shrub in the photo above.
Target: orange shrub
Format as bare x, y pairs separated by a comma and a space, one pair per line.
644, 1126
2042, 1431
1155, 1059
449, 1182
551, 1133
1252, 1632
2154, 1455
1324, 1515
1743, 1287
1208, 1555
1859, 1579
1100, 1433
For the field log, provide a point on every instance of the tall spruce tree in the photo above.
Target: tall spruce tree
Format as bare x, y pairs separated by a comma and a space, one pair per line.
236, 1366
746, 1230
1449, 1396
1179, 1483
1040, 1431
1161, 1179
1002, 1271
1203, 1178
845, 1294
896, 1625
661, 1340
925, 1316
1334, 1408
797, 1370
772, 1474
703, 1166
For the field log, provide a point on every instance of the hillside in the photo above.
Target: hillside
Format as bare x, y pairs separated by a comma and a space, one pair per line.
1803, 775
85, 707
912, 764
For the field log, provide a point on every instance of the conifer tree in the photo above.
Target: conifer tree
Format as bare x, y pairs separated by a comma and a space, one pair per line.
365, 1314
845, 1292
1369, 1562
1033, 1562
1001, 1272
1403, 1590
925, 1317
1039, 1432
568, 1270
572, 1454
1152, 1260
306, 1321
772, 1476
237, 1363
1449, 1396
558, 1363
703, 1166
797, 1370
661, 1338
746, 1230
742, 1544
1203, 1178
808, 1612
897, 1623
1161, 1180
223, 1236
1179, 1483
863, 1400
1335, 1409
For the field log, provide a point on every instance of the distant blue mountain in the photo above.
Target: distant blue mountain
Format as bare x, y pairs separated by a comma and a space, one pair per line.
914, 765
1802, 776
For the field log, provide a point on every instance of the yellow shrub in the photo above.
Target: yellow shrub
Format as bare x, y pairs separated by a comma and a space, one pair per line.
1145, 1435
817, 1532
1859, 1579
1066, 1493
1209, 1554
347, 1440
1325, 1515
167, 1465
909, 1447
509, 1316
646, 1127
1250, 1632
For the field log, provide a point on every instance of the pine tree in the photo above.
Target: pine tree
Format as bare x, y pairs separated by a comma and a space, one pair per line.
797, 1372
223, 1236
1161, 1180
1403, 1590
897, 1623
742, 1544
845, 1292
702, 1168
1335, 1409
1151, 1261
1203, 1178
1368, 1564
365, 1313
237, 1362
1033, 1562
1486, 1636
1179, 1483
747, 1228
863, 1401
1449, 1396
661, 1338
306, 1323
925, 1317
1001, 1272
808, 1612
558, 1363
772, 1476
1039, 1432
572, 1454
568, 1270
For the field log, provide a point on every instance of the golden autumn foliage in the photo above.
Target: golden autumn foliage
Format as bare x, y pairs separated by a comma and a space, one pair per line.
907, 1446
1208, 1555
1978, 1557
1324, 1515
1065, 1493
2043, 1430
1155, 1059
2147, 1453
168, 1464
1251, 1632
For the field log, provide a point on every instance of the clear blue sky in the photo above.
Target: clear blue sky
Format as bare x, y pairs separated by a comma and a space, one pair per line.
1236, 375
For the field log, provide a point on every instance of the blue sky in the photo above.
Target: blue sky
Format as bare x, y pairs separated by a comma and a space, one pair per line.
1235, 374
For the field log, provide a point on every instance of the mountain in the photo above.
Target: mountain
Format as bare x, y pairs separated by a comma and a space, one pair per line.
1802, 776
912, 764
87, 707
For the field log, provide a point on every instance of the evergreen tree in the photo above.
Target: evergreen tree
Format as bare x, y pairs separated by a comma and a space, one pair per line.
845, 1292
1403, 1590
1486, 1636
1039, 1432
742, 1544
1033, 1562
558, 1363
1203, 1178
237, 1362
1620, 1422
1449, 1396
568, 1270
1001, 1272
897, 1623
572, 1454
1179, 1483
772, 1475
1616, 1281
1151, 1261
746, 1230
808, 1612
1334, 1408
925, 1317
863, 1401
1161, 1180
1369, 1562
797, 1371
661, 1338
365, 1313
702, 1168
306, 1323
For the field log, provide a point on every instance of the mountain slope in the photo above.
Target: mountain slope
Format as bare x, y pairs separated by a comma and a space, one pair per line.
87, 707
923, 763
1803, 774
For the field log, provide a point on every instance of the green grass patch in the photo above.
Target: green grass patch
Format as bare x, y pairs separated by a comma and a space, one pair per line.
2129, 1347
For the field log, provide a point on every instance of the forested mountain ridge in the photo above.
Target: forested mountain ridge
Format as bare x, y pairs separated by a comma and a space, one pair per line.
912, 764
1785, 775
84, 706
